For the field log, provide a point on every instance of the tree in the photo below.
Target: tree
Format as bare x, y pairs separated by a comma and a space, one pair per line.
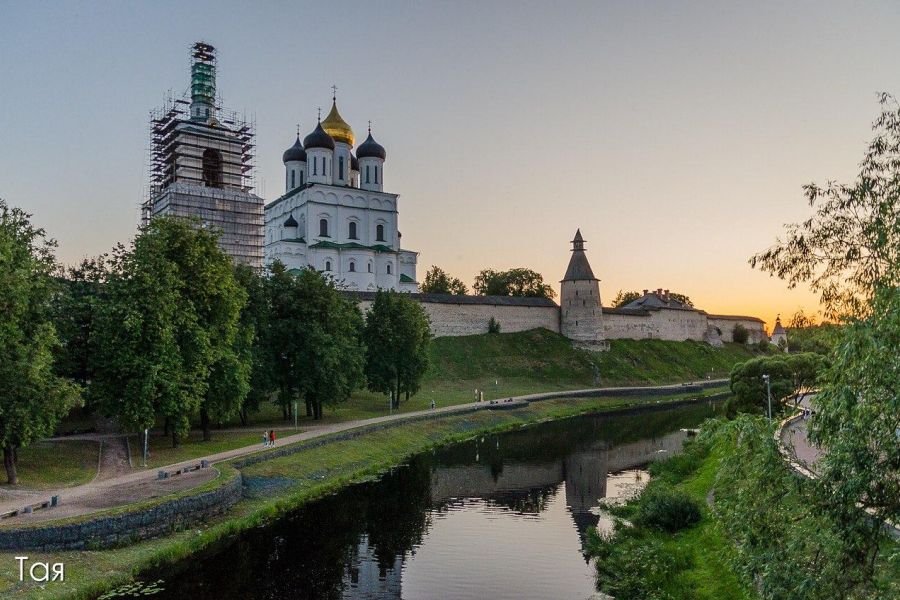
683, 298
514, 282
166, 330
437, 281
397, 336
623, 298
749, 387
857, 417
33, 398
788, 374
74, 309
317, 336
800, 320
740, 334
850, 246
256, 342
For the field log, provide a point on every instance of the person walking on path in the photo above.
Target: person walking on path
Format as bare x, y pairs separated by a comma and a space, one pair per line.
432, 404
265, 439
272, 438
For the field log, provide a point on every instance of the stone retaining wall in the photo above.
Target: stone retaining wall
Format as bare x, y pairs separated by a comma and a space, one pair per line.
125, 528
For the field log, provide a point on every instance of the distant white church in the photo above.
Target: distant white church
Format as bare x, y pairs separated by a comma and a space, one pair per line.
335, 216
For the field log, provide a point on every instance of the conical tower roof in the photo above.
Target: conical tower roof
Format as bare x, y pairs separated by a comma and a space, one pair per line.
579, 268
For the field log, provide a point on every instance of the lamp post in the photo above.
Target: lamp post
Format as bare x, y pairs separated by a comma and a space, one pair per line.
768, 394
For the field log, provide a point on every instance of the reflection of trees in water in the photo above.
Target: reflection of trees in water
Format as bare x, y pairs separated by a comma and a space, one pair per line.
322, 551
527, 502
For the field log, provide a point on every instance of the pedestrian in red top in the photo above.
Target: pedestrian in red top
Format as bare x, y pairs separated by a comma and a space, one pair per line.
272, 438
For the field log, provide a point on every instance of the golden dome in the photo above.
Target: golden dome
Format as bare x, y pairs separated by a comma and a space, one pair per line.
335, 126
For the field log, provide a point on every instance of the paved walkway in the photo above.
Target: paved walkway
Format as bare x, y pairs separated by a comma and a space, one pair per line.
794, 437
102, 493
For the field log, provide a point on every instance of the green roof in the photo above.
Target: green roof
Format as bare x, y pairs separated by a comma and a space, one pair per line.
298, 240
406, 279
351, 246
295, 271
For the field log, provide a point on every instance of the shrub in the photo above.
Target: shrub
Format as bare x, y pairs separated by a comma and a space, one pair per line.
493, 326
661, 507
740, 334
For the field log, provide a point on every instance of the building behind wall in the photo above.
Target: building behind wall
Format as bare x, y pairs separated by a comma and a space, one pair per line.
201, 164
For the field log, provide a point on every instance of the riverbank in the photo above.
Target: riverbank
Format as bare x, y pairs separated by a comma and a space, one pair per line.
764, 530
284, 484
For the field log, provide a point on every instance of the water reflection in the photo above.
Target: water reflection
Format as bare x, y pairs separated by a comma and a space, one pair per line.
503, 516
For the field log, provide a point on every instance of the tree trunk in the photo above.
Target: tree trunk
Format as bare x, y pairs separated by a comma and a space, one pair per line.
204, 424
9, 461
166, 427
309, 408
244, 417
397, 394
284, 416
317, 408
174, 438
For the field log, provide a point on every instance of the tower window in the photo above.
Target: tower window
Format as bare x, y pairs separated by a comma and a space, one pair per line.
352, 232
301, 177
341, 168
293, 178
315, 166
389, 268
367, 173
212, 168
379, 233
327, 265
352, 267
370, 267
324, 170
323, 227
376, 174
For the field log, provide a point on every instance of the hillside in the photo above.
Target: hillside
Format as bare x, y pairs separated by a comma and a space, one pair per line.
548, 359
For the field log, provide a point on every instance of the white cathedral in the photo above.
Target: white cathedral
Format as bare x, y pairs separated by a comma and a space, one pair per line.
335, 216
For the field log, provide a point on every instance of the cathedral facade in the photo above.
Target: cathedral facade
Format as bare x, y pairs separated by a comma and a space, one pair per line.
335, 215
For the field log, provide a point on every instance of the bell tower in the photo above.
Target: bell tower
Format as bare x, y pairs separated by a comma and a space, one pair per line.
580, 310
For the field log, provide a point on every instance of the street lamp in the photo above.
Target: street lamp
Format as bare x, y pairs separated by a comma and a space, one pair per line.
768, 394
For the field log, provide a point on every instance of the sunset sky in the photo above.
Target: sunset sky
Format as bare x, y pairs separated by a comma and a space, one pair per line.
677, 136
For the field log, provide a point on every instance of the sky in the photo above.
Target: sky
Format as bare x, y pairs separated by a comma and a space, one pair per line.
677, 136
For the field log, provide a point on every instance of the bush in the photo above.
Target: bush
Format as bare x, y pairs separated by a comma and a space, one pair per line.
661, 507
493, 326
740, 334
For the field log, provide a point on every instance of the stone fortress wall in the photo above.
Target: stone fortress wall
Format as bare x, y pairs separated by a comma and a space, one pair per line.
470, 315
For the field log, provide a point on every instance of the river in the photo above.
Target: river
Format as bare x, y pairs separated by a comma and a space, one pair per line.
501, 517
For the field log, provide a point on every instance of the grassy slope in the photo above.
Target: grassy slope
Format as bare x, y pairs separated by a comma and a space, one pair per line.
312, 473
700, 552
506, 364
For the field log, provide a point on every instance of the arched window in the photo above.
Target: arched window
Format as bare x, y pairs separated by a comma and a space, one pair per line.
389, 268
367, 173
376, 173
379, 233
212, 168
315, 166
352, 267
301, 177
323, 228
293, 179
341, 168
324, 171
327, 265
370, 267
352, 232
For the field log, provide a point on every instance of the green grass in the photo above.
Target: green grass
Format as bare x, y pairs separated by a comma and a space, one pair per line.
162, 453
313, 472
697, 556
45, 465
528, 362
